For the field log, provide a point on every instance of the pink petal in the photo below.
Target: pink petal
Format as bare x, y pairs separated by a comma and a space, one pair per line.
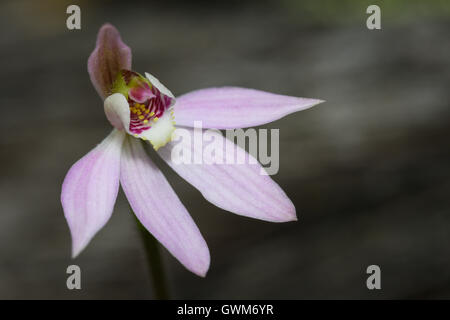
141, 94
108, 58
160, 210
232, 107
90, 189
239, 188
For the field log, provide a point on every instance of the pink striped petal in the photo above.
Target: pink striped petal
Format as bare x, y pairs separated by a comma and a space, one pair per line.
160, 210
239, 188
90, 190
108, 58
232, 107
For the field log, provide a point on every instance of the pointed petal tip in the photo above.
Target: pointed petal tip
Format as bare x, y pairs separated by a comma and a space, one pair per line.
202, 274
75, 252
311, 102
318, 101
289, 216
107, 25
285, 212
201, 269
107, 29
77, 247
199, 260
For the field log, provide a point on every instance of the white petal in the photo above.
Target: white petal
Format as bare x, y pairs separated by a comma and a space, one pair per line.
159, 85
161, 131
117, 111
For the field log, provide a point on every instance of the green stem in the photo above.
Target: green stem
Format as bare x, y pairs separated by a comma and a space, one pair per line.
155, 263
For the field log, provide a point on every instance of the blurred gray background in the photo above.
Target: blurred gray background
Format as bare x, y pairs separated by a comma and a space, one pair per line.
368, 171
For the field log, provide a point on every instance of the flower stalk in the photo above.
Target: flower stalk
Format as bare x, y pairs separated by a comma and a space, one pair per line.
154, 263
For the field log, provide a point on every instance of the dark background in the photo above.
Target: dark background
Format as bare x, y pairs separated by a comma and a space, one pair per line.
368, 171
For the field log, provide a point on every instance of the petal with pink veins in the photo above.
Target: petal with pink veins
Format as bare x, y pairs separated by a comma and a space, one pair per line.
238, 188
160, 210
90, 189
108, 58
233, 107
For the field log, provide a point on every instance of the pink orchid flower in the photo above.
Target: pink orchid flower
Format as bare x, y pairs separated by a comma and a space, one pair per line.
141, 108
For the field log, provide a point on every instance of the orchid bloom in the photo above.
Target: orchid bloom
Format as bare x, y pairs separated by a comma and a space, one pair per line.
142, 109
